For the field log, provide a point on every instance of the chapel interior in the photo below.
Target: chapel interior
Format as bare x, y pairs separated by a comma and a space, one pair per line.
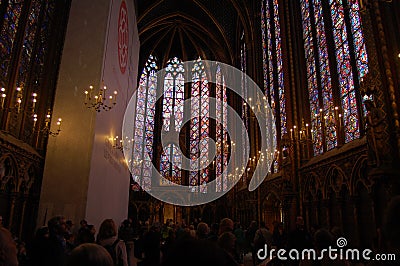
328, 69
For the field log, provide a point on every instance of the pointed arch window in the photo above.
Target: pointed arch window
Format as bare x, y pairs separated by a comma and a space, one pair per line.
273, 67
334, 58
199, 128
172, 115
245, 107
8, 34
144, 125
221, 134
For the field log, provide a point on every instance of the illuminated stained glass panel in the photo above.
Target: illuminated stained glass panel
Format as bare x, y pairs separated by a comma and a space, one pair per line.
29, 42
172, 114
142, 151
43, 44
221, 160
273, 66
346, 80
199, 128
323, 117
358, 40
7, 37
279, 69
245, 116
325, 77
345, 71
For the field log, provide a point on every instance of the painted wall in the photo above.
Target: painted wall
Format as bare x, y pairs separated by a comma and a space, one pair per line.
84, 177
108, 193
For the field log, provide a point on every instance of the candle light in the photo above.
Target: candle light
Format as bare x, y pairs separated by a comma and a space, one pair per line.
306, 130
3, 97
19, 99
34, 100
34, 121
115, 97
59, 124
47, 120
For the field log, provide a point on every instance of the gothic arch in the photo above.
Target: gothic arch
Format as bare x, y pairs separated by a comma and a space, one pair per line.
358, 174
271, 210
310, 185
8, 173
335, 179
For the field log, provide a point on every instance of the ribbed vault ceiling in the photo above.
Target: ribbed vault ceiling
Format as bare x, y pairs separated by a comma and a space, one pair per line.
190, 28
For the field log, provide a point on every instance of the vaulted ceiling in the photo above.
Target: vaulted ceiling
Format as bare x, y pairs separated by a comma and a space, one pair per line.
192, 28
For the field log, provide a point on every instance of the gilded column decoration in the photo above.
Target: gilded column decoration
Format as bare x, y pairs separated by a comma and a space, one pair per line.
372, 83
388, 71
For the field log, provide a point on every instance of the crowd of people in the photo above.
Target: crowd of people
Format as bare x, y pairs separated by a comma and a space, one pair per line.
222, 244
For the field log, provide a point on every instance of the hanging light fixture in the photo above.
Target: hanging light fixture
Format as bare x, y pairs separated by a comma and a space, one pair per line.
100, 101
46, 129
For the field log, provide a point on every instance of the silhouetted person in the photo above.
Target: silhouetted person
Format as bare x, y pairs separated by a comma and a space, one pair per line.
151, 246
227, 241
54, 249
196, 253
8, 249
213, 235
202, 231
90, 255
250, 234
323, 239
299, 239
108, 239
36, 247
226, 225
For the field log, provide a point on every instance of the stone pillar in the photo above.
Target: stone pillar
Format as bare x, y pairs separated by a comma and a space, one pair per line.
84, 176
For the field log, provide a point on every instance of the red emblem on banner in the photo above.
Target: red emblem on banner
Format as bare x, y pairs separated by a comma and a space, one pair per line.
123, 37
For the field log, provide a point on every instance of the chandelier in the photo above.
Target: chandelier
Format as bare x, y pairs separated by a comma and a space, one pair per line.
46, 129
29, 110
100, 101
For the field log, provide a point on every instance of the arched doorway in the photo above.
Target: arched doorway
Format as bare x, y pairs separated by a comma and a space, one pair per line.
271, 210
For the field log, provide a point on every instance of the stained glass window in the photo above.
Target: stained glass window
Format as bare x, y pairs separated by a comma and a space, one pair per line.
8, 32
43, 43
172, 114
142, 156
273, 66
245, 107
346, 79
221, 160
199, 128
29, 42
324, 115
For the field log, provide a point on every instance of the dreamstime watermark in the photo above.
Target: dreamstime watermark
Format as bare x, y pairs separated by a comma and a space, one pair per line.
331, 253
239, 83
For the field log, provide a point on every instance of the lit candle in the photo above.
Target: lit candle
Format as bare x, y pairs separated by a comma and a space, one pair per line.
306, 130
86, 97
47, 119
19, 100
34, 121
115, 97
3, 97
59, 123
34, 100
